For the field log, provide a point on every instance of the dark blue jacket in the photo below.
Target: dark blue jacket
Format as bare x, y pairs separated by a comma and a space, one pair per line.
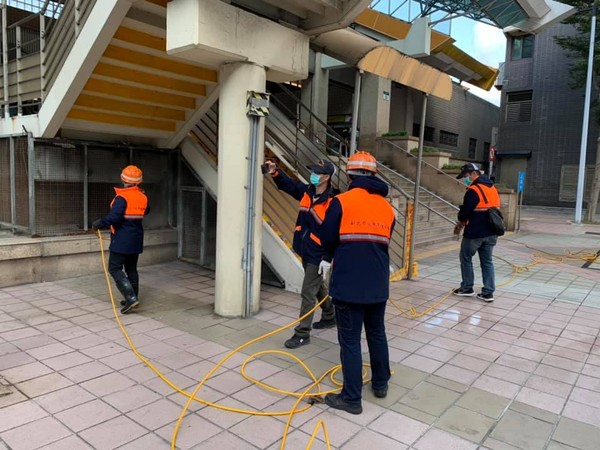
360, 270
128, 235
478, 225
307, 222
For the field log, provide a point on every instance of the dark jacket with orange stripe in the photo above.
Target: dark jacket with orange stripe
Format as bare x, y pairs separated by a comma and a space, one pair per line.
356, 233
473, 211
127, 210
307, 242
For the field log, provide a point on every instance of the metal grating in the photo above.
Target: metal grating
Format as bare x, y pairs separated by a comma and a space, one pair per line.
5, 202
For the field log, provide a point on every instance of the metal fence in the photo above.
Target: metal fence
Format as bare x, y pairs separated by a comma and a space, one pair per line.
59, 187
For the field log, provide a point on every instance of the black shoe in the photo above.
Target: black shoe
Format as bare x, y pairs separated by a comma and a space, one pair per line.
380, 393
296, 341
322, 324
129, 305
463, 292
123, 303
336, 402
485, 297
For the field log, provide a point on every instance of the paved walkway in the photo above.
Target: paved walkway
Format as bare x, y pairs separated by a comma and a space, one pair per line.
521, 373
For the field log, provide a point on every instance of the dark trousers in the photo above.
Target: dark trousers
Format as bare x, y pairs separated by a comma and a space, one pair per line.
350, 318
313, 291
117, 262
485, 248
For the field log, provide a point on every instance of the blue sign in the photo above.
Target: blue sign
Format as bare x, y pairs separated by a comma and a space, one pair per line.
521, 181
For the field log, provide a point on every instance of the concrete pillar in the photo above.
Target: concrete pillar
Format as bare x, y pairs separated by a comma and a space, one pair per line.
374, 117
236, 79
314, 94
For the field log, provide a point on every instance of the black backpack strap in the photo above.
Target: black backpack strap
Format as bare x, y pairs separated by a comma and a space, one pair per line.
482, 193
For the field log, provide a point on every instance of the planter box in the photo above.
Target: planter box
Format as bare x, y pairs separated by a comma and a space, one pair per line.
386, 152
436, 159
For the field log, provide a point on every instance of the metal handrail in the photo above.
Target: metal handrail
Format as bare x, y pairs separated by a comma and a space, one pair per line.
422, 162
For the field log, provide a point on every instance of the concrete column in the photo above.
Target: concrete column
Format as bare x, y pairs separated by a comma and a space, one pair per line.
236, 79
314, 94
374, 110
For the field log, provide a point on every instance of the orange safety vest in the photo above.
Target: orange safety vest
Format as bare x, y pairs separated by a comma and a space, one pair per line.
136, 201
365, 217
317, 211
488, 197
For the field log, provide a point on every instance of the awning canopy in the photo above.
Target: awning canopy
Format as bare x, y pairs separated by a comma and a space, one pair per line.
374, 57
444, 55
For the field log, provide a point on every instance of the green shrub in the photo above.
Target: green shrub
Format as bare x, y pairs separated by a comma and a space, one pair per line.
395, 133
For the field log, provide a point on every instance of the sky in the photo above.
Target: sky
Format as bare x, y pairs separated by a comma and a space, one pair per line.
483, 42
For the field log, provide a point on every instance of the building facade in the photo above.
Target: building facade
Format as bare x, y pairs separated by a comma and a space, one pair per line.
541, 121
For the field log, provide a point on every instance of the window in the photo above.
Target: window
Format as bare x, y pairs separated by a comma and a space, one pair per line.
429, 132
447, 138
518, 106
472, 148
522, 47
486, 150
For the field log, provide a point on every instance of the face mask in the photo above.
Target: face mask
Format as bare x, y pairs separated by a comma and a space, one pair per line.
467, 181
314, 179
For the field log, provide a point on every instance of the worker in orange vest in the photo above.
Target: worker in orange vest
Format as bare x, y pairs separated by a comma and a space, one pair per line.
356, 234
314, 200
127, 210
478, 235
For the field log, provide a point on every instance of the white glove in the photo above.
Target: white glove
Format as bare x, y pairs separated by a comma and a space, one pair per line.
324, 269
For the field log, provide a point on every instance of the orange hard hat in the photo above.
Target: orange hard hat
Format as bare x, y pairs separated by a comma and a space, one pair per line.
132, 175
361, 161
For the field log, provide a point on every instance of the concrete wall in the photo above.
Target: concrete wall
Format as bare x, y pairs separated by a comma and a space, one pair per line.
34, 260
466, 115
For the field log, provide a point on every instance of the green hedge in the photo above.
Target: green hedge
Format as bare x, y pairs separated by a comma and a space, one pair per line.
395, 133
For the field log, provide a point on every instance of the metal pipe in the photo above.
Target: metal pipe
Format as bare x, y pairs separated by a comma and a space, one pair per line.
85, 188
248, 254
18, 67
355, 108
13, 185
31, 181
586, 119
43, 52
411, 256
5, 58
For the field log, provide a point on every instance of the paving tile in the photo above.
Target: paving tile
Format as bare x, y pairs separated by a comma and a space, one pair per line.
225, 440
264, 431
437, 440
15, 359
507, 373
152, 441
339, 427
26, 372
156, 414
113, 433
35, 434
86, 415
43, 385
436, 353
549, 386
107, 384
69, 443
367, 438
131, 398
457, 374
49, 351
582, 413
64, 399
430, 398
541, 400
16, 415
421, 363
85, 372
497, 386
557, 374
522, 431
577, 434
532, 411
399, 427
483, 402
407, 377
455, 386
